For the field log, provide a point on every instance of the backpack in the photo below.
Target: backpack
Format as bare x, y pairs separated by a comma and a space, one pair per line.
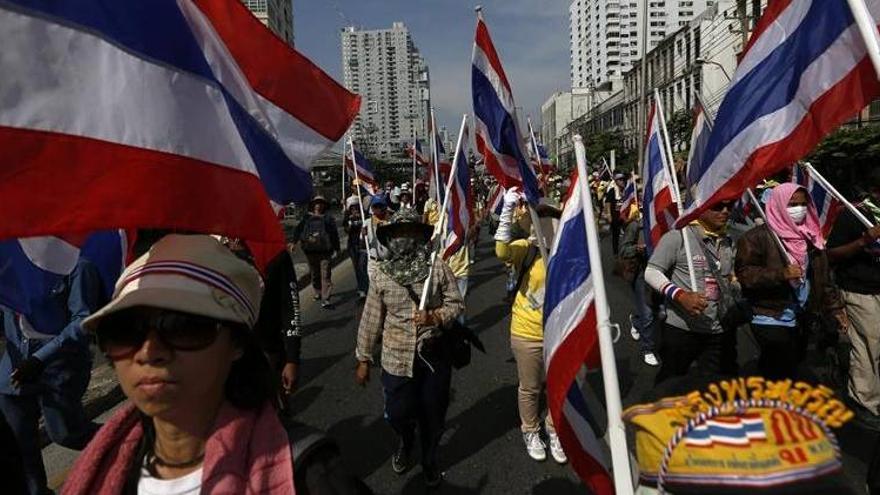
314, 237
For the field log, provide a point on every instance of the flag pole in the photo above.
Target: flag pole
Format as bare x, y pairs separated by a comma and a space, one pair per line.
344, 143
440, 226
414, 164
868, 29
357, 188
616, 430
435, 155
834, 192
763, 215
537, 154
670, 169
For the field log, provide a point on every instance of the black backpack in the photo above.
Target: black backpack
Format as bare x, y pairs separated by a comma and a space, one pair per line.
314, 237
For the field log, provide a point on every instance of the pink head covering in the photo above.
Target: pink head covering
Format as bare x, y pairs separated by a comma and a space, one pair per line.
794, 237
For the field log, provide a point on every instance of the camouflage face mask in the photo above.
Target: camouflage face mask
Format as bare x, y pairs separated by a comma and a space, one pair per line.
409, 260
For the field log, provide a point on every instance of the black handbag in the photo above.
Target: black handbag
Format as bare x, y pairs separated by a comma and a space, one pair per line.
734, 310
457, 342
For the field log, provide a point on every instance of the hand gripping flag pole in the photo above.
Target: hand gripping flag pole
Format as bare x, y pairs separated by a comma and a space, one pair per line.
357, 187
616, 431
440, 226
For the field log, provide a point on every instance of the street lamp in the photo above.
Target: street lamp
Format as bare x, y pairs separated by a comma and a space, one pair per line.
700, 61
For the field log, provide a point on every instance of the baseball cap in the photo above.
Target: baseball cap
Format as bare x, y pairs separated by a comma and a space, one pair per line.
189, 273
378, 200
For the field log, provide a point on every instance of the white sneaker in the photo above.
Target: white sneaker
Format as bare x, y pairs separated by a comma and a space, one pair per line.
633, 330
556, 449
535, 446
651, 359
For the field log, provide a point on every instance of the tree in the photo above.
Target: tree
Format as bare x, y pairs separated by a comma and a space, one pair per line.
846, 156
680, 126
600, 144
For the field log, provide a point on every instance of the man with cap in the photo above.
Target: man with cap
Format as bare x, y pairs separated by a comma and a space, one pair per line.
416, 372
406, 196
319, 239
612, 208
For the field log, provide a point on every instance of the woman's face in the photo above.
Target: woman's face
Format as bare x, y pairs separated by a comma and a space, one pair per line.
799, 198
168, 383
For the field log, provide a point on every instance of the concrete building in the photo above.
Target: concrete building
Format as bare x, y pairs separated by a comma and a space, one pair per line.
385, 68
606, 36
560, 110
277, 15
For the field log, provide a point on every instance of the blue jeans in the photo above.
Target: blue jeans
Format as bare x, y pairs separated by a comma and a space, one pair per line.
643, 318
359, 262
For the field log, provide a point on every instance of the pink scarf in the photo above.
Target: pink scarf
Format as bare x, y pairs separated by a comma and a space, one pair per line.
248, 453
796, 238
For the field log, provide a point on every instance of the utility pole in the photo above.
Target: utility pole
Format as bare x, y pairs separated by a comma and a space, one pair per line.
743, 14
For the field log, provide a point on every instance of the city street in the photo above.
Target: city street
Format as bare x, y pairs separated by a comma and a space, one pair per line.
482, 450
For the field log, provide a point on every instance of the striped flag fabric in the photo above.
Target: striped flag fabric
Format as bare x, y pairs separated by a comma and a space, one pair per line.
659, 208
498, 137
699, 139
827, 206
461, 204
628, 199
495, 203
415, 148
33, 268
365, 175
571, 345
186, 115
804, 71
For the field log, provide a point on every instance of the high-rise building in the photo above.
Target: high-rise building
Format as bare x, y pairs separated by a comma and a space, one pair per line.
606, 35
277, 15
385, 68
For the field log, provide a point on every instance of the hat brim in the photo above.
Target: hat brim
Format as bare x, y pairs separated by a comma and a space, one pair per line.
390, 230
166, 298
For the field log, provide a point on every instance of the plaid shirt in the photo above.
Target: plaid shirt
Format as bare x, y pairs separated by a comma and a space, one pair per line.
388, 313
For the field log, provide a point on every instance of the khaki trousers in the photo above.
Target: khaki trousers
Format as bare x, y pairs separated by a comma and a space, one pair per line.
529, 356
863, 311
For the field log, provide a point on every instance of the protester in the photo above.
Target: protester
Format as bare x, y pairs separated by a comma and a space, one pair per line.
855, 253
406, 196
634, 261
693, 328
458, 262
200, 418
421, 196
416, 372
613, 198
45, 370
319, 239
788, 289
353, 224
379, 215
392, 195
526, 323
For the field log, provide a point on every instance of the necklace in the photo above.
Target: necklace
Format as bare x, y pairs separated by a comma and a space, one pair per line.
195, 461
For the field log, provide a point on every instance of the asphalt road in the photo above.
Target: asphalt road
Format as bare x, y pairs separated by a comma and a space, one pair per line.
482, 450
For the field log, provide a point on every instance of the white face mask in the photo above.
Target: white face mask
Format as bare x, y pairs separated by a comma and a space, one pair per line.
798, 214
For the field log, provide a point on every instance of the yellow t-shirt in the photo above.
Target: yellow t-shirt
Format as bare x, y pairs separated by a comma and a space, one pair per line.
459, 263
526, 322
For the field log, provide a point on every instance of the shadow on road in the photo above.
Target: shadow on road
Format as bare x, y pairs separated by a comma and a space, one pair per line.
559, 486
489, 418
416, 486
317, 326
366, 447
303, 398
310, 368
489, 317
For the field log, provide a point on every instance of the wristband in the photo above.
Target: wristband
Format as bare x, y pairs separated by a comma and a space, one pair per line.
671, 291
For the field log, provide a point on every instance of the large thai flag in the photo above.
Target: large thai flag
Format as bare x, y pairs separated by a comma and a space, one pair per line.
32, 269
461, 203
699, 140
827, 206
659, 209
543, 164
628, 199
804, 71
184, 114
498, 138
571, 344
363, 171
495, 202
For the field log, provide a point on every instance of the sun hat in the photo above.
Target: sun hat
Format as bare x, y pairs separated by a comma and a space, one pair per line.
189, 273
405, 218
316, 199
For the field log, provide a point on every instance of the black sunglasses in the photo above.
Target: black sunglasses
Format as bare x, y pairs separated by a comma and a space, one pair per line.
727, 205
120, 335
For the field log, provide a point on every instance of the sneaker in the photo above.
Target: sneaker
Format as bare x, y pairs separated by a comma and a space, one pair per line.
362, 294
556, 449
633, 330
433, 477
400, 459
326, 305
317, 297
651, 359
535, 446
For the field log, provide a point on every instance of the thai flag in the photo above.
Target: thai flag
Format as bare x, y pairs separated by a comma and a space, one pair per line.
628, 199
699, 140
804, 71
33, 269
184, 114
420, 156
544, 165
495, 202
365, 174
659, 207
827, 206
498, 137
571, 344
739, 431
461, 204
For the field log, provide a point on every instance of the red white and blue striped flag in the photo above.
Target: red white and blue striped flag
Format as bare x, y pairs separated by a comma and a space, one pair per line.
804, 71
365, 175
628, 200
659, 207
571, 345
416, 149
498, 137
827, 206
188, 115
461, 203
699, 140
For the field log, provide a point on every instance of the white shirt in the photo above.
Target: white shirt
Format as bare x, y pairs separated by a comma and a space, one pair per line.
190, 484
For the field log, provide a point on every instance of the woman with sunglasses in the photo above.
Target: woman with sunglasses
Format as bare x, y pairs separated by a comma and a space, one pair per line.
786, 286
178, 332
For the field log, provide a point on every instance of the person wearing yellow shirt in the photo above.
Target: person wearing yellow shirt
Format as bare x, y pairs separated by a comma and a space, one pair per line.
526, 323
459, 262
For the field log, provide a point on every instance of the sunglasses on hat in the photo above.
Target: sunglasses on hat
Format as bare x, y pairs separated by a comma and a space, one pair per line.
122, 334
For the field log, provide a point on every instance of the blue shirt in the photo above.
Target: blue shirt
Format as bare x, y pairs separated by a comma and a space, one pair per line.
788, 318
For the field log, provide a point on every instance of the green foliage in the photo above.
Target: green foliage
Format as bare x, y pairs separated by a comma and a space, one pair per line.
680, 127
600, 144
846, 156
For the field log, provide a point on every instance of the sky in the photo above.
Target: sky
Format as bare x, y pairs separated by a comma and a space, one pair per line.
531, 37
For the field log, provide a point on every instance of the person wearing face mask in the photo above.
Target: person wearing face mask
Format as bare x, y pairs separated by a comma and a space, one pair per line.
785, 287
416, 370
